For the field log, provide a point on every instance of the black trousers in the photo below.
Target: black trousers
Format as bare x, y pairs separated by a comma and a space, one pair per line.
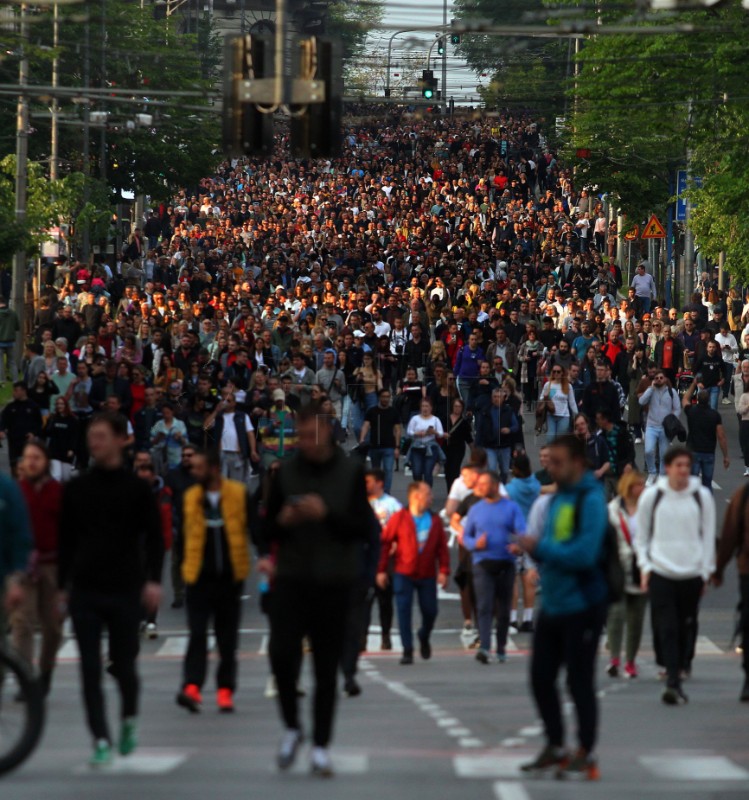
356, 627
120, 614
384, 598
178, 585
571, 640
744, 631
302, 608
673, 608
220, 599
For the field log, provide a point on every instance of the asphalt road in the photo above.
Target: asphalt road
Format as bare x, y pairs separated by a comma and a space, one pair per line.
449, 727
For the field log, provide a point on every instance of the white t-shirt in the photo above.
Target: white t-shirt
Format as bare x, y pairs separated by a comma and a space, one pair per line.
419, 424
229, 441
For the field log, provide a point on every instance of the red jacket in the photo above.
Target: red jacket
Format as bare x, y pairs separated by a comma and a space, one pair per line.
400, 531
44, 511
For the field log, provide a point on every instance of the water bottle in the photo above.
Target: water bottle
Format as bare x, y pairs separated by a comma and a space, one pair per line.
263, 584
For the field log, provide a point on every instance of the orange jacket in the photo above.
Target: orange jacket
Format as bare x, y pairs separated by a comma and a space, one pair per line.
400, 531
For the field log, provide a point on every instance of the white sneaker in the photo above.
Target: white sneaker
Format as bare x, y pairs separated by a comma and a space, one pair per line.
638, 440
321, 763
288, 748
270, 688
152, 631
746, 472
651, 480
726, 401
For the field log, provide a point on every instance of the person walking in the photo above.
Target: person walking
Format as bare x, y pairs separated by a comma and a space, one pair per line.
234, 436
421, 563
487, 532
741, 405
734, 543
384, 506
559, 394
675, 546
43, 497
494, 429
107, 580
316, 504
178, 481
216, 562
566, 532
660, 400
645, 290
381, 429
9, 328
630, 611
423, 429
704, 432
20, 422
15, 552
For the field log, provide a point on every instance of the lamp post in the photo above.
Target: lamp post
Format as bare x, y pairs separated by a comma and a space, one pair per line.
390, 50
22, 150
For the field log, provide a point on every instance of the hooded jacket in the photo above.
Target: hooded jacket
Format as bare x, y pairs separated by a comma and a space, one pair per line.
9, 325
677, 541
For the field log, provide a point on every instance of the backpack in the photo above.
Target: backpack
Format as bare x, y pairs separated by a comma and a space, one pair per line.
608, 560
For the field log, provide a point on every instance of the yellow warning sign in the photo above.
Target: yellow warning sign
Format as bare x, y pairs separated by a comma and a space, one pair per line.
654, 229
632, 234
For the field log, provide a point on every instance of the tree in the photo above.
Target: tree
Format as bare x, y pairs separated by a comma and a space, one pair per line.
351, 23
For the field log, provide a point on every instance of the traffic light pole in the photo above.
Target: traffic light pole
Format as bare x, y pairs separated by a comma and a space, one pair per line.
443, 88
390, 51
22, 150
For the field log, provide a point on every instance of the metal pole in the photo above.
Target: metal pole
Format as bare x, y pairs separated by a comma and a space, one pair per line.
721, 270
18, 299
86, 132
629, 263
444, 58
688, 238
390, 50
103, 136
620, 238
55, 110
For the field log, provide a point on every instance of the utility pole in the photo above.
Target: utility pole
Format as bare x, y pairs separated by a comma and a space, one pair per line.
444, 58
86, 131
18, 299
103, 66
54, 142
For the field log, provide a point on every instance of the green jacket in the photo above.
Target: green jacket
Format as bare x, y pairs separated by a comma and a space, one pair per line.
15, 532
9, 325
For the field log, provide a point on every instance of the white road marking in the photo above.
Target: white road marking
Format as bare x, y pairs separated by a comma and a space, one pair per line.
693, 767
447, 722
374, 641
706, 647
470, 741
176, 646
531, 730
490, 765
458, 733
513, 741
443, 595
263, 651
68, 651
144, 762
510, 791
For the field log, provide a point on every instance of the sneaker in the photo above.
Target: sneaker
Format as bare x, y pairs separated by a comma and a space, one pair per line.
475, 644
651, 480
152, 632
638, 440
351, 688
425, 649
102, 755
674, 697
321, 765
726, 401
501, 658
190, 698
407, 659
526, 627
482, 656
288, 748
386, 643
582, 766
613, 668
270, 688
128, 736
515, 627
549, 758
744, 696
630, 670
225, 701
746, 472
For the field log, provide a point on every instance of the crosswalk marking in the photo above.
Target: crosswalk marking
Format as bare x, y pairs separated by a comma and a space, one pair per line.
693, 767
176, 646
489, 765
374, 641
706, 647
144, 762
510, 791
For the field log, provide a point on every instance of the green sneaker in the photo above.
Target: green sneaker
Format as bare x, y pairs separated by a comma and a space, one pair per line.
128, 736
102, 755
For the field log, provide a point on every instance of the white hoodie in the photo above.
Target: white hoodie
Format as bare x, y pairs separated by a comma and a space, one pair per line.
681, 543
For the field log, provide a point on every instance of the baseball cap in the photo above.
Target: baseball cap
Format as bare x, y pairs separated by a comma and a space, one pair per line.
278, 394
359, 334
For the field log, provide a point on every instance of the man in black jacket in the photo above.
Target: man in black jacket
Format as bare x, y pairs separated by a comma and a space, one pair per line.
110, 558
20, 421
602, 395
315, 517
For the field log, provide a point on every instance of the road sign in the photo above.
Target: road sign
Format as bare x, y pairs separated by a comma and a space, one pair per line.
681, 189
632, 234
654, 229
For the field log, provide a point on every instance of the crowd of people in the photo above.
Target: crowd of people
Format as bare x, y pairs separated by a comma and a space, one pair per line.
441, 301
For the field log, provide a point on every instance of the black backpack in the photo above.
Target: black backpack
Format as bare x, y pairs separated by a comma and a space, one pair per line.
608, 561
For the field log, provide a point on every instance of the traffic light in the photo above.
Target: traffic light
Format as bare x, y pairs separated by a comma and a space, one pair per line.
246, 130
428, 85
441, 46
455, 38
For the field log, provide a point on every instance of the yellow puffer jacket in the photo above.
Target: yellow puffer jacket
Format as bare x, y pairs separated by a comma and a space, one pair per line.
234, 512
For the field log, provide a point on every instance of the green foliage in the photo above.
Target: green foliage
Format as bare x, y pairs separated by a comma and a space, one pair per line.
351, 23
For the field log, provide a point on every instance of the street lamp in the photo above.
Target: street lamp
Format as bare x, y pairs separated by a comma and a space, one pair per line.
390, 50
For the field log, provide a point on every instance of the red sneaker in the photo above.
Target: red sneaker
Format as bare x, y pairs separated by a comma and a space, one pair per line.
190, 698
630, 670
225, 701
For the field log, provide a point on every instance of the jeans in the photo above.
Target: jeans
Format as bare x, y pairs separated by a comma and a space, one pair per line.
356, 628
630, 612
464, 387
384, 458
8, 350
300, 608
704, 464
493, 592
91, 612
728, 369
556, 426
359, 409
645, 303
498, 460
714, 395
422, 464
218, 598
426, 592
655, 435
673, 608
234, 466
572, 640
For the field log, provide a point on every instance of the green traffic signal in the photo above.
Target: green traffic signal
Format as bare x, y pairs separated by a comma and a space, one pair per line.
455, 38
428, 93
441, 46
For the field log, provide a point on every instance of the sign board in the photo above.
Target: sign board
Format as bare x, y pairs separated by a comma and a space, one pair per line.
653, 229
631, 235
681, 188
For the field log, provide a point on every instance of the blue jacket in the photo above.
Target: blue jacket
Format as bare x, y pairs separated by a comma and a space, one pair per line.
467, 362
569, 553
16, 541
498, 521
524, 492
